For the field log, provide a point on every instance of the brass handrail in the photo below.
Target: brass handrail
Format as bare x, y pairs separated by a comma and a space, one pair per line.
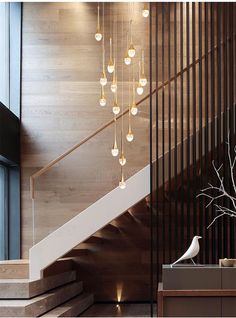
66, 153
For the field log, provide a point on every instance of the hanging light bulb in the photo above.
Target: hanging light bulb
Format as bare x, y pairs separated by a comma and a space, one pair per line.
113, 87
130, 135
98, 34
142, 78
143, 81
116, 108
114, 80
134, 109
115, 150
127, 59
103, 79
139, 88
111, 65
131, 50
122, 159
122, 183
102, 100
145, 11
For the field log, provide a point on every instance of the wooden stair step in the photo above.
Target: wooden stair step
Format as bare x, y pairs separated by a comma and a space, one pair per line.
73, 307
94, 240
14, 269
125, 218
77, 253
93, 243
25, 289
111, 228
41, 304
60, 266
19, 269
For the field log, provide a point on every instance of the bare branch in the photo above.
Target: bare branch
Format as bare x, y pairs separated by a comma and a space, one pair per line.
217, 217
220, 191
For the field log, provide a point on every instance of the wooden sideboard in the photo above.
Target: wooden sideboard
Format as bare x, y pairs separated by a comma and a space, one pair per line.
197, 291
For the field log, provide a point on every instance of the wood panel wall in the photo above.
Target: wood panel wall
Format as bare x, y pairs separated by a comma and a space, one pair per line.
60, 92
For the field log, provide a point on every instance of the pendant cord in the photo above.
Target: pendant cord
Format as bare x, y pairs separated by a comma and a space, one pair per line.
98, 24
129, 104
103, 40
122, 75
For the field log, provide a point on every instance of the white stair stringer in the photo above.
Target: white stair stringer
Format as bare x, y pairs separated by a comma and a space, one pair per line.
86, 223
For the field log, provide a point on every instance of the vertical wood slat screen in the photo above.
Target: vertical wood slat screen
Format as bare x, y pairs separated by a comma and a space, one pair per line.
193, 68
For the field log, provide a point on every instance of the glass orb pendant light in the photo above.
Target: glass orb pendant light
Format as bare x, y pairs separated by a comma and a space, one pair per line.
130, 135
102, 100
122, 183
127, 59
131, 50
145, 11
111, 64
122, 159
114, 80
116, 107
115, 150
98, 34
139, 88
134, 109
103, 79
113, 87
142, 78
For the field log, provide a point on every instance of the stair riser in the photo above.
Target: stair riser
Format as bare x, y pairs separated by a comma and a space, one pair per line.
73, 307
26, 290
11, 271
42, 304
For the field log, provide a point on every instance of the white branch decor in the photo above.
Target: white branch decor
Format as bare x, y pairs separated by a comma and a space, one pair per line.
219, 190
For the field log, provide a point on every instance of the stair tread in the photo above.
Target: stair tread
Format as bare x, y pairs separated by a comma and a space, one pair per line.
73, 307
40, 304
15, 262
26, 302
24, 288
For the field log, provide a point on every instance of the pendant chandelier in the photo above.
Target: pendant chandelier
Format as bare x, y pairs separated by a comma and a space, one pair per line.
133, 65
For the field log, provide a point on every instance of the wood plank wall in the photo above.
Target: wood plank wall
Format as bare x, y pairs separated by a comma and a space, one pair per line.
60, 91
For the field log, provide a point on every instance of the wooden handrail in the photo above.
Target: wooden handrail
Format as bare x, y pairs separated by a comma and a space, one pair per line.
70, 150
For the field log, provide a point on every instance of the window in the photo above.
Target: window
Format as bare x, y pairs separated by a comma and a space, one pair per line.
4, 53
10, 55
3, 212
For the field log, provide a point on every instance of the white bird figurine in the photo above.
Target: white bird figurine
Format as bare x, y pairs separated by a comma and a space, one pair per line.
191, 252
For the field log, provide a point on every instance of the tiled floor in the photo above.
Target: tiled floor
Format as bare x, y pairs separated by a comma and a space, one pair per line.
114, 310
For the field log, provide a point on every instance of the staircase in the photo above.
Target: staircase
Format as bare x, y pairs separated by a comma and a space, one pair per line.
100, 213
86, 223
58, 293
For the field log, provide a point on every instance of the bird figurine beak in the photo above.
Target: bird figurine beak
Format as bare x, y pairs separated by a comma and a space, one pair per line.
199, 237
